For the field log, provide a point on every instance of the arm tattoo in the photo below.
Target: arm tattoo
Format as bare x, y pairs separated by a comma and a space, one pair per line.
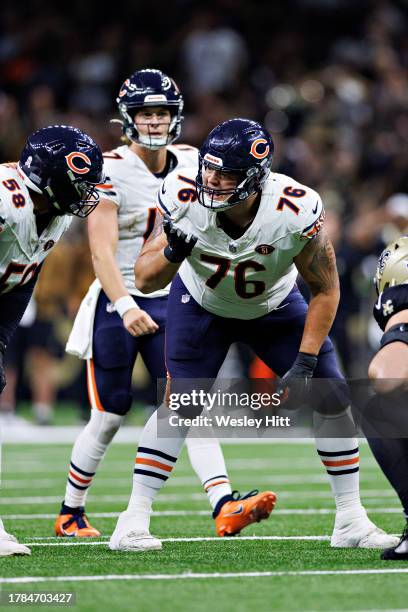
317, 264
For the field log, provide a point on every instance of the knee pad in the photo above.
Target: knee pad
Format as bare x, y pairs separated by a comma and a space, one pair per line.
118, 402
104, 425
110, 347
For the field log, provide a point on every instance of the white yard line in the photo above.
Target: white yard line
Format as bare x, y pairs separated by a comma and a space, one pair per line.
176, 497
9, 486
192, 576
157, 513
98, 542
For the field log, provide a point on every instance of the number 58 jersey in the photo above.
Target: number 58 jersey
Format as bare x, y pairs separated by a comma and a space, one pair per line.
21, 249
246, 277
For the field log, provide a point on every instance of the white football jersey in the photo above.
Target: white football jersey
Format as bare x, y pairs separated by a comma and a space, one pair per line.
133, 188
21, 250
246, 277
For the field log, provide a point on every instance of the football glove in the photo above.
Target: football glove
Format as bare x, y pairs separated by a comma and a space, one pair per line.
180, 244
296, 382
2, 372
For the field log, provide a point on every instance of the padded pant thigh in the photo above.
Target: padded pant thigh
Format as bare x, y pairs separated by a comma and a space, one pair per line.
113, 360
110, 347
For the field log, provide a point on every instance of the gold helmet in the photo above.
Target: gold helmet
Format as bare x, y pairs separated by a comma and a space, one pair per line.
392, 267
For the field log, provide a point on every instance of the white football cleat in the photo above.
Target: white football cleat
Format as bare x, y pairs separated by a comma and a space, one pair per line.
9, 546
131, 536
351, 531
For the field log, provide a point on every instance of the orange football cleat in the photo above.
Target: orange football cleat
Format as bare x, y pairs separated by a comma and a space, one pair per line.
74, 526
242, 511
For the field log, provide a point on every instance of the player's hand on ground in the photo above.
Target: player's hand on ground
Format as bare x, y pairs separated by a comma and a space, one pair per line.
2, 371
296, 383
139, 323
180, 244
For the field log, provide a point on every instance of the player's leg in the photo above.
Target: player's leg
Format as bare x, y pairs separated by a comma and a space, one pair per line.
109, 375
384, 416
160, 443
204, 449
277, 342
9, 545
196, 345
43, 355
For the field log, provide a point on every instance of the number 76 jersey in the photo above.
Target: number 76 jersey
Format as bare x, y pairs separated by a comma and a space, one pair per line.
246, 277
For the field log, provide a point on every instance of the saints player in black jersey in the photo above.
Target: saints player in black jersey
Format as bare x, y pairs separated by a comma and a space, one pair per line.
389, 371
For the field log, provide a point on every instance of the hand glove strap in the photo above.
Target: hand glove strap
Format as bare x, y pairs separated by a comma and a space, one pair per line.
306, 360
171, 256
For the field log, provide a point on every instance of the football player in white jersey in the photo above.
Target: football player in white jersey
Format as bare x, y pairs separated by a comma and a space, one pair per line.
55, 178
233, 238
116, 321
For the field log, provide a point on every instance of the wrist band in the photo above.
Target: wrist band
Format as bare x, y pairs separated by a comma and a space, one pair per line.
123, 304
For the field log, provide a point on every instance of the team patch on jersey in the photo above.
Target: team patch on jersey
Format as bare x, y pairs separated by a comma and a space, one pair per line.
264, 249
312, 230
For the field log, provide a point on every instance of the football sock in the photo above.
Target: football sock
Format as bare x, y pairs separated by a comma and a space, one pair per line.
158, 451
392, 457
340, 457
207, 460
88, 451
2, 529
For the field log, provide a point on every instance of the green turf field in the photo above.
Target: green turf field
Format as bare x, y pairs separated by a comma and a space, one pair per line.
276, 570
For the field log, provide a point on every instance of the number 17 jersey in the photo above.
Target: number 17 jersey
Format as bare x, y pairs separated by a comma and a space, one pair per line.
245, 277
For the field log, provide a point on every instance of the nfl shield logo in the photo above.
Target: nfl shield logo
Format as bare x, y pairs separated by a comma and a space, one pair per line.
185, 298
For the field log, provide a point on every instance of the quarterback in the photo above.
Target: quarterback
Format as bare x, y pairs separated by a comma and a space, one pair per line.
55, 178
116, 321
389, 372
233, 236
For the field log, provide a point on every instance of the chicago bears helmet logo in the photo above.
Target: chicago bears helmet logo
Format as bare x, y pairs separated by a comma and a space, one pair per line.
123, 90
83, 169
260, 148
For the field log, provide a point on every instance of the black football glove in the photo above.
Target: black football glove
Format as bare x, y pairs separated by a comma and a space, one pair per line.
180, 244
296, 382
2, 372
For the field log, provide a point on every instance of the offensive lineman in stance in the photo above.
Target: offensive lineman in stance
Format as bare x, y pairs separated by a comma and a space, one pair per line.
55, 178
116, 321
389, 371
234, 256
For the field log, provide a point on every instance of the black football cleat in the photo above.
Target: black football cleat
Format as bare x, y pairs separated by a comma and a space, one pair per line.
400, 551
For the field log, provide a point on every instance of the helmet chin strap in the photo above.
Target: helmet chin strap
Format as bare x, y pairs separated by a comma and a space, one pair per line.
53, 202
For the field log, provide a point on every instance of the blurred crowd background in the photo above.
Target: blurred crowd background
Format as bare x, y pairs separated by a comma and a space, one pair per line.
327, 77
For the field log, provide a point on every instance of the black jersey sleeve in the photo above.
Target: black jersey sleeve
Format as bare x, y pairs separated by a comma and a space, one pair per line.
391, 301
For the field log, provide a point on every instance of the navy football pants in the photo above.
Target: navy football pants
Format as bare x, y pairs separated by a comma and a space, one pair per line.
115, 352
197, 341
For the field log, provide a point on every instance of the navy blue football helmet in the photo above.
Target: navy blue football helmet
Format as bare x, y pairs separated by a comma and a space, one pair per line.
150, 88
241, 147
64, 164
